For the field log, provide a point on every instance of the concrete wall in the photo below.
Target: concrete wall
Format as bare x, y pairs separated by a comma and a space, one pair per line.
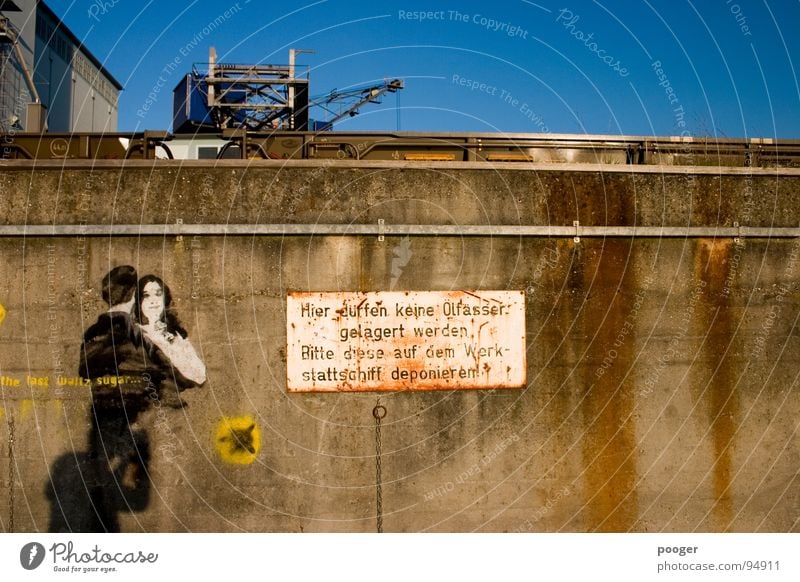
662, 373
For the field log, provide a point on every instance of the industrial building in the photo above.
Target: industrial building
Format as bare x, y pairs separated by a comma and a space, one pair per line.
48, 79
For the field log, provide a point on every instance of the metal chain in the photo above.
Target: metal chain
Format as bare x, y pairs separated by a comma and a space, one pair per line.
379, 412
11, 478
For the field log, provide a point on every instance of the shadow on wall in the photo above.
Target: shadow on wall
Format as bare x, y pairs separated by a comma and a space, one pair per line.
136, 355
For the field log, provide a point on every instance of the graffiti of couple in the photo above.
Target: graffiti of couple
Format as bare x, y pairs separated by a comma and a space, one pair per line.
140, 335
137, 356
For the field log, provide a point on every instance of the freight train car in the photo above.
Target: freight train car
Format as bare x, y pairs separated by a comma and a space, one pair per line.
404, 146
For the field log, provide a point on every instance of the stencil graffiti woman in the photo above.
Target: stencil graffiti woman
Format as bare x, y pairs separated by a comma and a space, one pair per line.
174, 363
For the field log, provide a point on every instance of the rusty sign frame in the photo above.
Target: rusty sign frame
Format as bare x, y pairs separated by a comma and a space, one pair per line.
405, 340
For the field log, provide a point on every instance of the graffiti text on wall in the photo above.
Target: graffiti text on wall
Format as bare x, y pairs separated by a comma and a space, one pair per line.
27, 380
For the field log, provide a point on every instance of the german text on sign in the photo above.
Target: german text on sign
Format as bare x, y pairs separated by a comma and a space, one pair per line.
412, 340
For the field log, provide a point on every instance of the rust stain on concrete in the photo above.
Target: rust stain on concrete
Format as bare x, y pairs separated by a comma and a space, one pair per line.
718, 378
609, 444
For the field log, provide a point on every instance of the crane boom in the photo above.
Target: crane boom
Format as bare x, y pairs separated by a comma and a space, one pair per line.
365, 95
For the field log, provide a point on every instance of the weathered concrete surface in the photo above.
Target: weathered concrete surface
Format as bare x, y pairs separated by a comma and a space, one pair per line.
662, 373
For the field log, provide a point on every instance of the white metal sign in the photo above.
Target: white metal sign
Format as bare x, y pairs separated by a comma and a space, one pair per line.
412, 340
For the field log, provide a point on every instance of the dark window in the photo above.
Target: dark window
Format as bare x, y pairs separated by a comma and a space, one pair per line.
207, 153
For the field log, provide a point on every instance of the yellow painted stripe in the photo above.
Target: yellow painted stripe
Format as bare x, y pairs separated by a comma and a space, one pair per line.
509, 157
429, 157
25, 408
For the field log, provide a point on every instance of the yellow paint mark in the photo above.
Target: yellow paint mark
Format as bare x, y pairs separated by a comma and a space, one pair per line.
2, 412
25, 408
238, 439
58, 405
2, 313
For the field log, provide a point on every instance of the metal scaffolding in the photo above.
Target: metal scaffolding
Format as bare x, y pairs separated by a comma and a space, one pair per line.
256, 97
264, 98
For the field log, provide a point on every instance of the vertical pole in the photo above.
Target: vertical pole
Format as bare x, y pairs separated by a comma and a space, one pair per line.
291, 89
212, 61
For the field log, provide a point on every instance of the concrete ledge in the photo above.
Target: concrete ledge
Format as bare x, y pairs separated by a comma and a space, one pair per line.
388, 164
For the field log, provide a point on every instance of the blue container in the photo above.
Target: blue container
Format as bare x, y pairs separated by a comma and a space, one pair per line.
190, 110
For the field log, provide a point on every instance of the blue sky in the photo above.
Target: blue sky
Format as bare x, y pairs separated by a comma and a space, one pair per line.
656, 67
